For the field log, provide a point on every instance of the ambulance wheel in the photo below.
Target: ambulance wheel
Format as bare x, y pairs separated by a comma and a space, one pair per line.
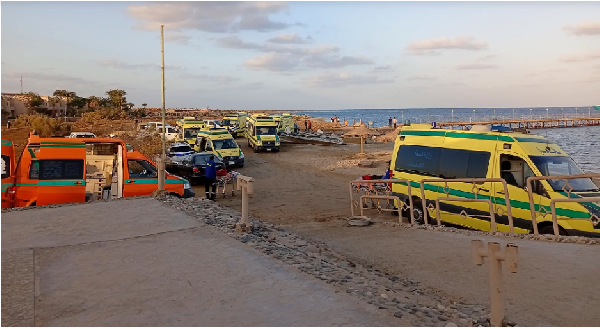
549, 229
418, 213
255, 148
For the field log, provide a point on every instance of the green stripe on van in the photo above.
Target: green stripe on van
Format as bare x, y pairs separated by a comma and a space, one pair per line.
531, 140
513, 203
9, 143
423, 133
153, 181
472, 136
66, 182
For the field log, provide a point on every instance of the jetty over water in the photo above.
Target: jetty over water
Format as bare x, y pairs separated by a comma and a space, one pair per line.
529, 123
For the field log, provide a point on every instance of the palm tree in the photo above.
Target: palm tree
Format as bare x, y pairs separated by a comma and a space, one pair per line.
144, 105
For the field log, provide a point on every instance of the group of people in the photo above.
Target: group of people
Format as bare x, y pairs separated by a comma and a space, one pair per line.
307, 125
335, 118
393, 121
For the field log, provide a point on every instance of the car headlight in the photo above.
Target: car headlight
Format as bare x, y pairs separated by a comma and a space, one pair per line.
259, 142
187, 185
276, 143
242, 156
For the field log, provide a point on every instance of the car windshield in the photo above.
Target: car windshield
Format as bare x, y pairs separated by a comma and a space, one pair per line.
227, 122
201, 159
179, 149
223, 144
190, 133
560, 166
266, 131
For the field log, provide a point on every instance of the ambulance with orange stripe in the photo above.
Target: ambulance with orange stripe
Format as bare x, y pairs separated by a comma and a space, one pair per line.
61, 170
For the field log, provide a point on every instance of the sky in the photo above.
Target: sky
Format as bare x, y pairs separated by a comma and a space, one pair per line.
278, 56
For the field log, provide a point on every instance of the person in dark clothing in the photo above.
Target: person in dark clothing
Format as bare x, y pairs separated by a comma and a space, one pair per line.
210, 173
305, 125
390, 122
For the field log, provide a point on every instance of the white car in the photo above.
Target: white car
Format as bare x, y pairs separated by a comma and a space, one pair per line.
213, 123
81, 135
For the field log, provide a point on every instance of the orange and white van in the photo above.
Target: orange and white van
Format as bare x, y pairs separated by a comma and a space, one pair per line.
59, 170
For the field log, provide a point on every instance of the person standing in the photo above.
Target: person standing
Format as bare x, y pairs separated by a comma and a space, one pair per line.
395, 122
210, 174
390, 122
309, 125
305, 125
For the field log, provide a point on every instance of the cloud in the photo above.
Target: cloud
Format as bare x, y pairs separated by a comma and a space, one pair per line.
486, 57
51, 77
326, 62
179, 38
580, 58
128, 66
272, 62
280, 58
585, 28
220, 79
420, 77
476, 67
428, 47
384, 68
343, 79
291, 38
209, 16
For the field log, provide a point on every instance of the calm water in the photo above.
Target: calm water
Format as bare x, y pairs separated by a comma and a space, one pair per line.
582, 143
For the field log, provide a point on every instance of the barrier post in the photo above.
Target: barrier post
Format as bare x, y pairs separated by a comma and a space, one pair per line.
246, 185
495, 258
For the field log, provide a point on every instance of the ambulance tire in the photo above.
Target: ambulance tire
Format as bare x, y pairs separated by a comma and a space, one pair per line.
549, 229
418, 213
255, 149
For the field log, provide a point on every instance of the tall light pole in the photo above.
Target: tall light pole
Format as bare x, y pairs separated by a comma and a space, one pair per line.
513, 114
547, 114
161, 179
575, 112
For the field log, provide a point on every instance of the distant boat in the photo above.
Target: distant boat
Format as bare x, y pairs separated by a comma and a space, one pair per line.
597, 107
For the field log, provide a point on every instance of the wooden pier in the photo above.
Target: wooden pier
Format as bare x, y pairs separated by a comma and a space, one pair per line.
529, 124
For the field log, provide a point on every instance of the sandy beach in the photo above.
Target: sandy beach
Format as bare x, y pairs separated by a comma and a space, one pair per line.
305, 189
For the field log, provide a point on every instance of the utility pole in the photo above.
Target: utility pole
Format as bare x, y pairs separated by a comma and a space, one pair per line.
21, 85
161, 173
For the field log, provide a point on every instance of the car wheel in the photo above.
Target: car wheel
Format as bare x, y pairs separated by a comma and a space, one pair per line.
549, 229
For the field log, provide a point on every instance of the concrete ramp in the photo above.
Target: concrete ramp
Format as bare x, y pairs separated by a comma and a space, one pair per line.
142, 263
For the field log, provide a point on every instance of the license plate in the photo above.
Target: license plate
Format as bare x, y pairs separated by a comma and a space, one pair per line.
231, 162
268, 149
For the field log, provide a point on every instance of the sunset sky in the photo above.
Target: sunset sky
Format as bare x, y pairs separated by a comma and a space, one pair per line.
309, 55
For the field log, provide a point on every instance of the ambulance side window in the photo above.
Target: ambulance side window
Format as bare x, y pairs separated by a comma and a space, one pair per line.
34, 170
208, 145
5, 166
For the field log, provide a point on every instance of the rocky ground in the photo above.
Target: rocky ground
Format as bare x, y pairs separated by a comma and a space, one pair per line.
399, 297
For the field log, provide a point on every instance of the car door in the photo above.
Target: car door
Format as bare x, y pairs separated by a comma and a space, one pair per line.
61, 173
141, 178
517, 193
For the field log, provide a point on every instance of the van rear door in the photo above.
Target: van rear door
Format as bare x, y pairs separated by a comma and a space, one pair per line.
8, 169
61, 173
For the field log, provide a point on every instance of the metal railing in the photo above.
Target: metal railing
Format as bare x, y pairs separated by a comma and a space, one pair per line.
567, 188
475, 189
593, 218
372, 192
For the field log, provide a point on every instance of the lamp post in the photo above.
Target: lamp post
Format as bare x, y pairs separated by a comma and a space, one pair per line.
575, 112
562, 113
452, 115
161, 173
513, 114
547, 115
531, 113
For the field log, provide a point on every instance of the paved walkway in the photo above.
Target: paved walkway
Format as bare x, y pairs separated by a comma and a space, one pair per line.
141, 263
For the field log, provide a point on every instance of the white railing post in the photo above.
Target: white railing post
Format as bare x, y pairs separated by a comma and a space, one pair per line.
495, 257
246, 185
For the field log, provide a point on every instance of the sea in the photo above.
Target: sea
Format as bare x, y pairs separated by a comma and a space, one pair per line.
582, 143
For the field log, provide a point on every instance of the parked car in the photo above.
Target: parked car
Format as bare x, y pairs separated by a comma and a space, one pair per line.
81, 135
213, 123
179, 152
195, 169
